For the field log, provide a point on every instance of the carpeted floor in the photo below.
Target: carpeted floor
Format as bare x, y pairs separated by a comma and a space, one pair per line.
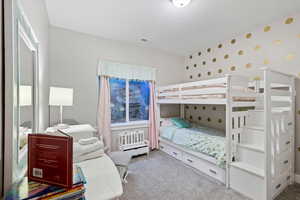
161, 177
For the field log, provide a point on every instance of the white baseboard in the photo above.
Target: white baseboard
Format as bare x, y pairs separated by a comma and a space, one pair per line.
297, 178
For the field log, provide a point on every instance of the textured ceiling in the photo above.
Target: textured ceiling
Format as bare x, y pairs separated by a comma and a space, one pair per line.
177, 30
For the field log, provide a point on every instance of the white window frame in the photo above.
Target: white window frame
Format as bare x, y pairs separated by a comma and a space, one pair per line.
140, 123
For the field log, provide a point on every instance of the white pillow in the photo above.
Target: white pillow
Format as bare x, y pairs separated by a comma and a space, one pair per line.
166, 122
82, 131
88, 141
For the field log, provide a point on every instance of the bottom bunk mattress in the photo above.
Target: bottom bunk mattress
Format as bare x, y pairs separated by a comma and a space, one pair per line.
199, 139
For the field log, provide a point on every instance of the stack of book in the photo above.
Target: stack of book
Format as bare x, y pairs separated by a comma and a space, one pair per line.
31, 190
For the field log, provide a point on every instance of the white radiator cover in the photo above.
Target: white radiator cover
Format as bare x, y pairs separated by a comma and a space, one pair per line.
132, 139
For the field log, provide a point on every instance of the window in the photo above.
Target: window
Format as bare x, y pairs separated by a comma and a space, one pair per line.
129, 100
118, 100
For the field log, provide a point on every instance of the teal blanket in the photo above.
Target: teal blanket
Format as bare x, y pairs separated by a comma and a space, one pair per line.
200, 139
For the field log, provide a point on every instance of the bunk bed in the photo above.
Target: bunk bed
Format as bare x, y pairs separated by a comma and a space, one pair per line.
256, 141
231, 91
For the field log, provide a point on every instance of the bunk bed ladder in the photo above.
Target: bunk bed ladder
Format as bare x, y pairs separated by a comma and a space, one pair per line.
264, 156
279, 106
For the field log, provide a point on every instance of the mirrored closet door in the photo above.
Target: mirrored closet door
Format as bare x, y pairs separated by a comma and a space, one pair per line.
26, 75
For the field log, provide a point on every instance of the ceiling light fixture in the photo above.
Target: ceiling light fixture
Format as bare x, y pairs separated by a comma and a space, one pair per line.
180, 3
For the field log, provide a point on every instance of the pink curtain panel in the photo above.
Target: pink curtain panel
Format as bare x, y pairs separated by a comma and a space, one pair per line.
104, 113
153, 128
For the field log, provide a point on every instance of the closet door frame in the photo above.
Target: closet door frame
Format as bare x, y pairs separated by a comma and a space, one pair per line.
9, 103
1, 97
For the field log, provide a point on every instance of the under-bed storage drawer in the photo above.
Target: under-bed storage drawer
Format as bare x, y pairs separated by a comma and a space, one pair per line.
280, 184
171, 150
204, 166
283, 163
284, 143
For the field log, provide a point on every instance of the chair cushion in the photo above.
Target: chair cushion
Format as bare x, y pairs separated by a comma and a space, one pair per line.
121, 158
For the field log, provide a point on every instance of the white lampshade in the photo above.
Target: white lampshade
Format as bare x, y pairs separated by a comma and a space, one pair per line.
61, 96
25, 94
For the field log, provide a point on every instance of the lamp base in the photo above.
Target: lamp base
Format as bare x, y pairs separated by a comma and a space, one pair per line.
62, 126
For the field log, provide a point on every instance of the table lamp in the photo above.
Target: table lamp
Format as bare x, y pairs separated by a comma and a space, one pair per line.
25, 94
61, 97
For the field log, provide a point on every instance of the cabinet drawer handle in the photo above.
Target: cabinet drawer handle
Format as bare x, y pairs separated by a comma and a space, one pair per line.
288, 142
212, 171
189, 160
286, 162
278, 186
175, 153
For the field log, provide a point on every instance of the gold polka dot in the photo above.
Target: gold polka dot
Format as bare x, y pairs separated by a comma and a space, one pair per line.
208, 73
208, 119
266, 61
267, 28
289, 20
257, 47
199, 53
214, 60
199, 75
290, 57
203, 63
203, 107
257, 78
195, 107
226, 56
199, 118
209, 50
233, 41
220, 71
191, 77
298, 112
233, 68
277, 42
249, 35
248, 66
220, 120
241, 52
195, 65
191, 57
214, 108
220, 46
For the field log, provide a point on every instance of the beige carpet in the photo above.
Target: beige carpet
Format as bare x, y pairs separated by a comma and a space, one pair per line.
162, 177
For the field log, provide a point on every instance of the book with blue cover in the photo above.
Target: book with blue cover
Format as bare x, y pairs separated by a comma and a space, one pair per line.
31, 190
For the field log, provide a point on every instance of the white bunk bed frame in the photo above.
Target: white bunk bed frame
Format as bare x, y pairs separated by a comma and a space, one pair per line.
233, 92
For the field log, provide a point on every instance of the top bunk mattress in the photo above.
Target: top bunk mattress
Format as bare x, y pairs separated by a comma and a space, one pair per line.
199, 139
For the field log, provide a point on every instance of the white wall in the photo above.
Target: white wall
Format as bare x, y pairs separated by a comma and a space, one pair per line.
36, 12
73, 63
